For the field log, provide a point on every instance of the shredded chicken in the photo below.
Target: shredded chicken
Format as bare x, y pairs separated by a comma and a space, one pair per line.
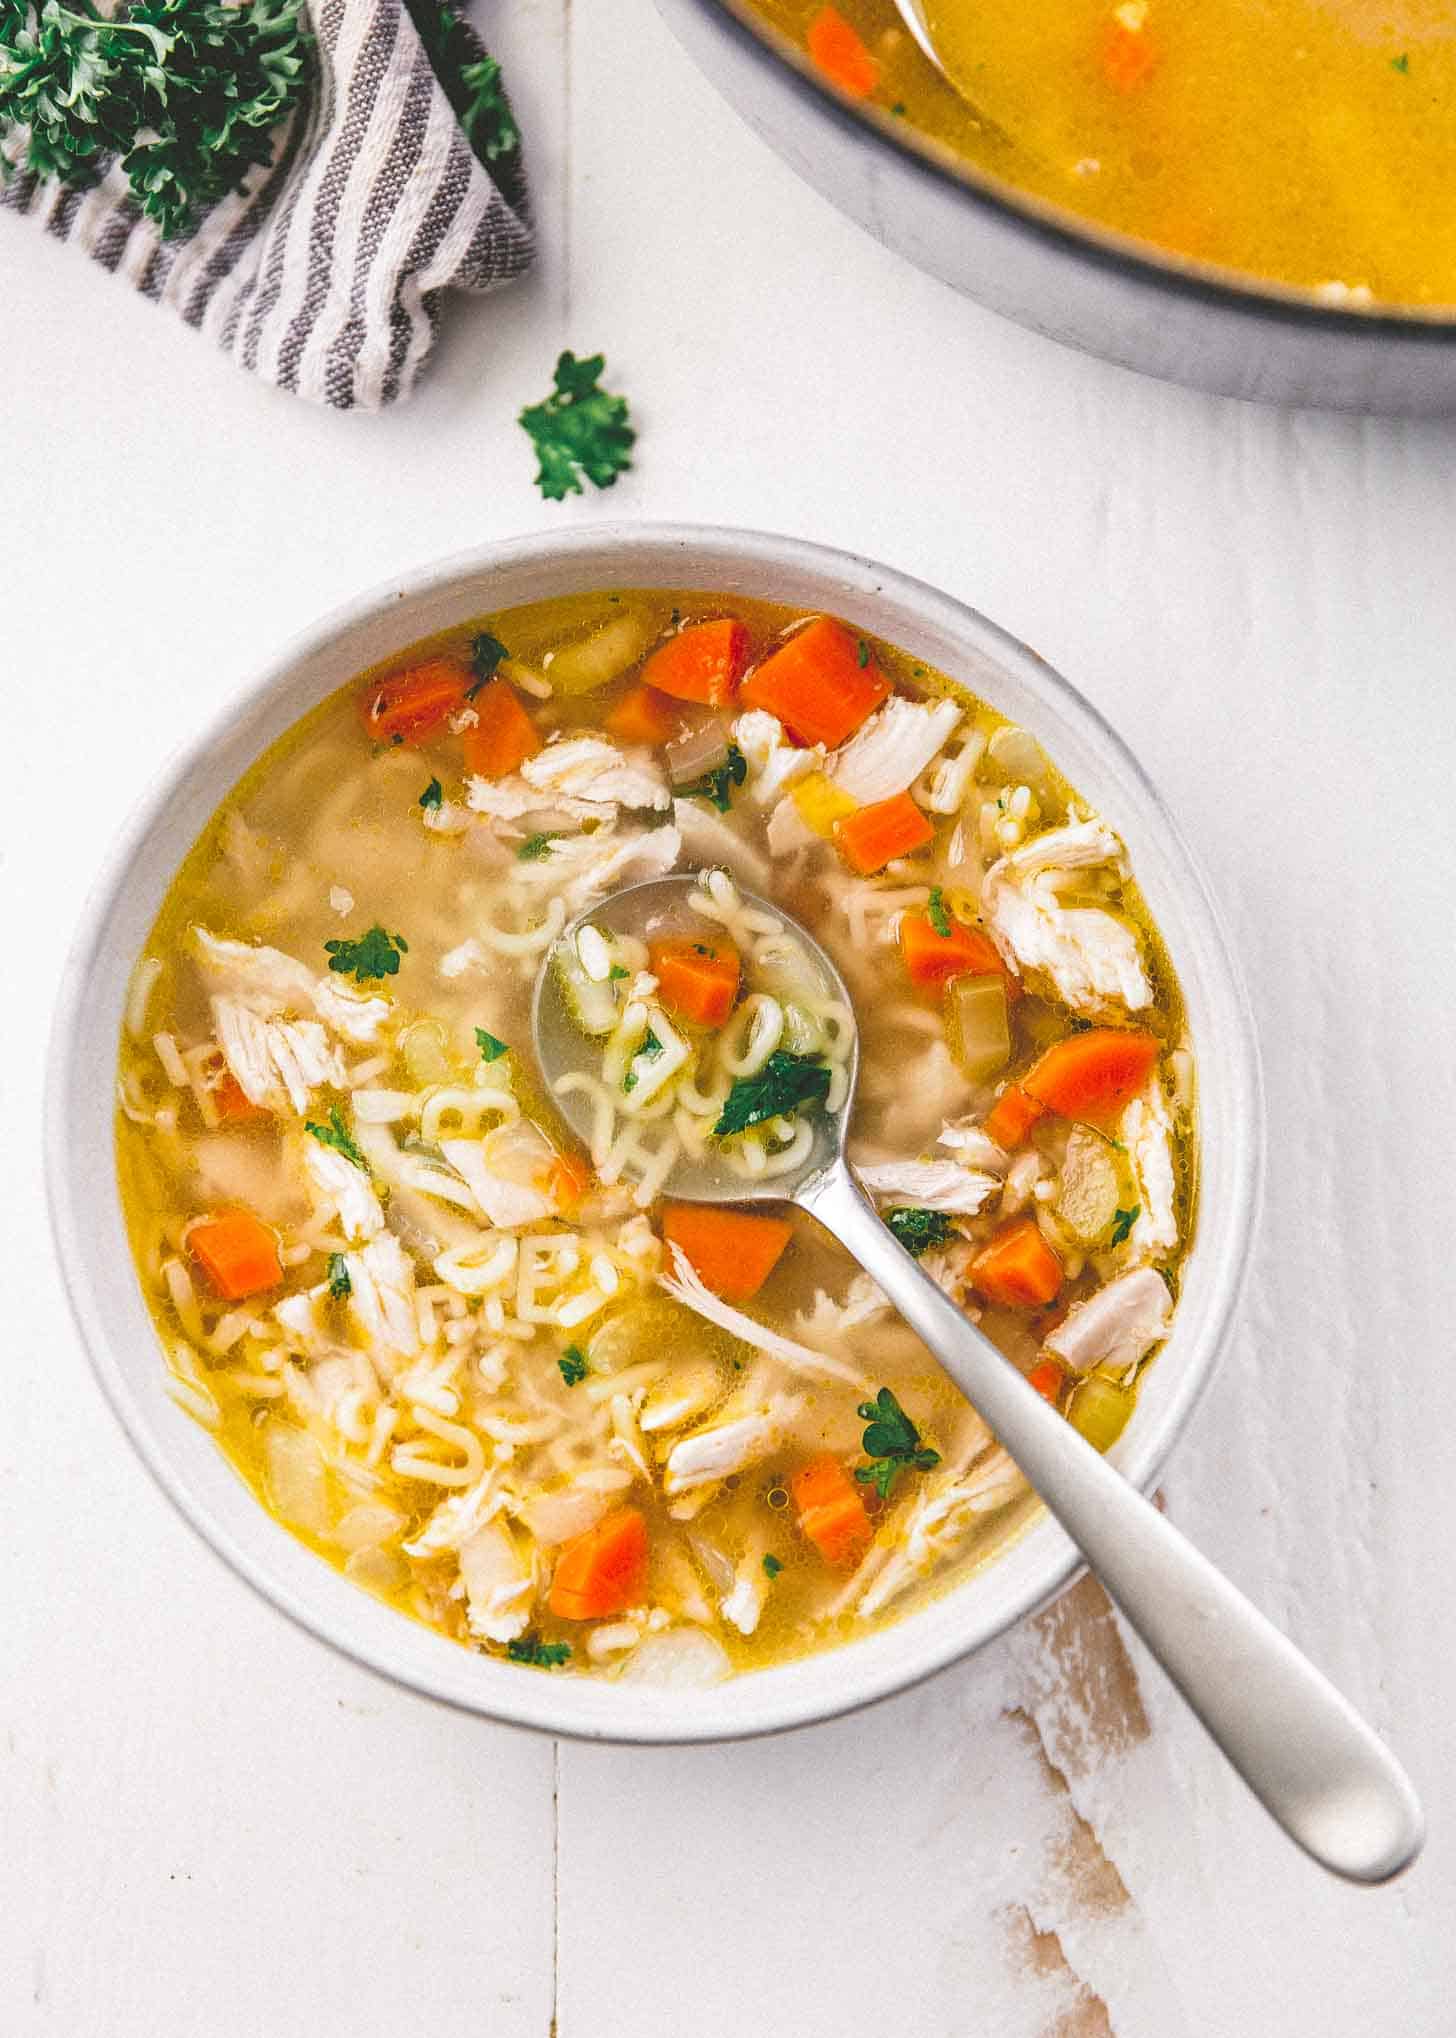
1147, 1133
893, 747
709, 1455
342, 1189
774, 763
1117, 1325
278, 1063
591, 768
683, 1282
930, 1185
382, 1295
507, 1204
270, 983
500, 1583
1091, 957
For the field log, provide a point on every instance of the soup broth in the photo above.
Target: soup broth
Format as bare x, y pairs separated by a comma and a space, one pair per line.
513, 1385
1312, 142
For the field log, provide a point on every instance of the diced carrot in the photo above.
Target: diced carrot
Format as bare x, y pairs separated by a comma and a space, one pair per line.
832, 1512
873, 836
1012, 1116
1092, 1075
841, 54
732, 1251
1129, 54
409, 706
703, 663
696, 980
232, 1103
237, 1252
602, 1571
503, 736
1046, 1377
1018, 1268
641, 716
932, 959
821, 684
567, 1180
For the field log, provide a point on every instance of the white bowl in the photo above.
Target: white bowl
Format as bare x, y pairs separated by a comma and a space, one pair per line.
81, 1171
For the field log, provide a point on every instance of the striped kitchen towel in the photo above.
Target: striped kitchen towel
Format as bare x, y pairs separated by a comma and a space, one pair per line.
324, 274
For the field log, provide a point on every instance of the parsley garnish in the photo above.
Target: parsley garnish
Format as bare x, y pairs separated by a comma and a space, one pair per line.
1123, 1222
186, 92
616, 974
336, 1135
893, 1442
574, 1367
717, 785
491, 1049
578, 429
864, 654
486, 653
651, 1048
1079, 1025
1401, 63
540, 1655
339, 1282
471, 80
432, 796
919, 1231
938, 916
772, 1565
534, 848
786, 1083
375, 954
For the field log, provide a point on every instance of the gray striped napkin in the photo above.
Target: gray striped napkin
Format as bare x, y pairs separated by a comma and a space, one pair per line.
325, 274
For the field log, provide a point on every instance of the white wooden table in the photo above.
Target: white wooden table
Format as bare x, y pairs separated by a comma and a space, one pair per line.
213, 1828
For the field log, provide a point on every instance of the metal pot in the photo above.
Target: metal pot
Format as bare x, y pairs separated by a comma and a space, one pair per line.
1065, 278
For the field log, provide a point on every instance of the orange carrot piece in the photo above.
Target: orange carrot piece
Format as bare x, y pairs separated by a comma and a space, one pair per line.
1129, 55
237, 1252
1018, 1268
817, 685
602, 1571
840, 52
832, 1512
703, 663
733, 1252
503, 736
696, 980
567, 1180
409, 706
932, 959
1092, 1075
641, 716
873, 836
1012, 1116
1046, 1377
232, 1103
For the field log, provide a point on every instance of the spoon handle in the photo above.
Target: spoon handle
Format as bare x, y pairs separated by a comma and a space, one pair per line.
1301, 1748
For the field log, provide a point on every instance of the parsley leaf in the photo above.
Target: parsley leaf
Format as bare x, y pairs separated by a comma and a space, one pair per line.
486, 653
336, 1134
540, 1655
578, 429
935, 911
893, 1442
772, 1565
1079, 1025
186, 92
786, 1083
535, 848
863, 654
375, 954
1401, 64
650, 1049
717, 785
432, 796
919, 1231
491, 1049
616, 974
1123, 1222
470, 79
574, 1367
339, 1282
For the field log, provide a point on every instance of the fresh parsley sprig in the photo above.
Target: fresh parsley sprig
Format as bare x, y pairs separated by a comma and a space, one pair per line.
573, 1365
337, 1135
892, 1443
785, 1084
717, 785
540, 1655
579, 429
486, 653
375, 954
919, 1231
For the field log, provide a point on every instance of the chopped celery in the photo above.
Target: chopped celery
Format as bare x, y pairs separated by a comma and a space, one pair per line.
602, 655
1100, 1409
977, 1027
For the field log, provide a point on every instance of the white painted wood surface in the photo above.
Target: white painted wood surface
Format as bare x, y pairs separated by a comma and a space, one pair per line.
210, 1825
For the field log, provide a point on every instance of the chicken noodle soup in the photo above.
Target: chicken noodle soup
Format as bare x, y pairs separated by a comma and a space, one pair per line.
519, 1389
1312, 142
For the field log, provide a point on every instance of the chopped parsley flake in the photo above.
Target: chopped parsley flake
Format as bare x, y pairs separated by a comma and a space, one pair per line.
336, 1134
339, 1282
486, 653
864, 654
534, 848
375, 954
939, 917
717, 785
919, 1231
574, 1367
785, 1084
616, 974
432, 796
491, 1049
892, 1441
540, 1655
772, 1565
650, 1049
1401, 64
1123, 1222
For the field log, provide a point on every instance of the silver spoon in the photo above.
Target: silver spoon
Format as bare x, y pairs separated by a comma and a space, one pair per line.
912, 13
1301, 1748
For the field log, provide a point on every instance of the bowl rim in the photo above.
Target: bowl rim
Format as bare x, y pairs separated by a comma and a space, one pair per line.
767, 1701
1058, 226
